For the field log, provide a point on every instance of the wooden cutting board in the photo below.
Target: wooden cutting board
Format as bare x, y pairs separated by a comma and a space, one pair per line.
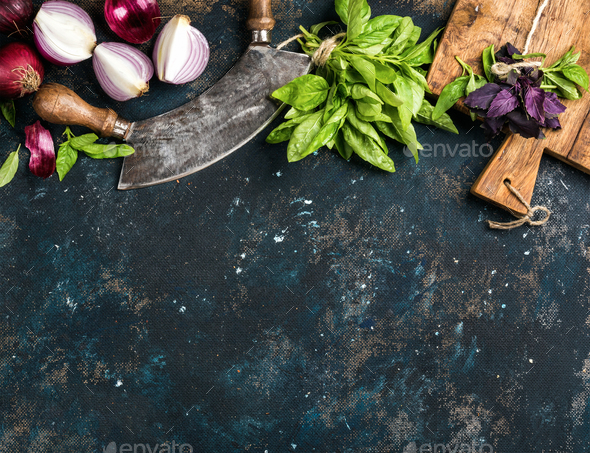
475, 25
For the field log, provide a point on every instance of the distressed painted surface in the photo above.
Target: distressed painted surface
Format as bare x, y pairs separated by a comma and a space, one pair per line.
261, 306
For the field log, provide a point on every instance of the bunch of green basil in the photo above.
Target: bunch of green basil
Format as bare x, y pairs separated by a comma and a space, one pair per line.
372, 86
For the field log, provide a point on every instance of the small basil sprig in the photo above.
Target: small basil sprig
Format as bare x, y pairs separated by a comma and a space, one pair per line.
67, 154
371, 87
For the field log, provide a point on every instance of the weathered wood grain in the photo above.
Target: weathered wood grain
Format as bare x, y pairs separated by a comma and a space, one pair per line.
475, 25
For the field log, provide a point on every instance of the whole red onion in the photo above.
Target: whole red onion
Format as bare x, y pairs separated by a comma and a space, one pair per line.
133, 20
15, 15
21, 70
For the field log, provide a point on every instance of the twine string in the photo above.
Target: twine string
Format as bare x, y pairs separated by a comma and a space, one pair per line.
322, 54
527, 219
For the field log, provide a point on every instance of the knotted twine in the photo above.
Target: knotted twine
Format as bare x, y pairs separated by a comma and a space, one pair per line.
527, 219
322, 54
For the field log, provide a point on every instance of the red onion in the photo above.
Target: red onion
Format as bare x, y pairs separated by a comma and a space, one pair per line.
21, 70
40, 144
15, 15
133, 20
181, 53
64, 33
122, 71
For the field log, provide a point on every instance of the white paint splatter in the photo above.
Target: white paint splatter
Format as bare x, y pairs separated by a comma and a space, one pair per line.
307, 201
528, 252
243, 255
279, 238
119, 383
239, 270
279, 174
182, 309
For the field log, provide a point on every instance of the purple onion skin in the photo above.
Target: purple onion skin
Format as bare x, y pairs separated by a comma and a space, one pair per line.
15, 15
21, 70
40, 144
135, 21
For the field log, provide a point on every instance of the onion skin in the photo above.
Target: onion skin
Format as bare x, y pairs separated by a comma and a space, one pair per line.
60, 44
122, 71
40, 144
181, 53
15, 15
135, 21
21, 70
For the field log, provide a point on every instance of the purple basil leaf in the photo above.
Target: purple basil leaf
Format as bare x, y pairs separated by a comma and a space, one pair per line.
553, 123
483, 97
533, 101
493, 126
552, 105
521, 124
39, 141
506, 60
511, 50
503, 103
512, 77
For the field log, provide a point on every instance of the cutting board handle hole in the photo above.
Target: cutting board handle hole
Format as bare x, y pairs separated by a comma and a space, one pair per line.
507, 180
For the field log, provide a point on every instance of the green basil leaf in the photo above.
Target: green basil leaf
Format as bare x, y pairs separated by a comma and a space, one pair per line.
296, 113
355, 20
110, 151
566, 87
401, 36
315, 29
83, 140
364, 127
576, 74
404, 91
450, 95
489, 60
387, 95
303, 136
377, 30
304, 93
360, 91
68, 133
383, 73
343, 148
414, 75
353, 76
421, 49
371, 51
368, 110
9, 168
424, 116
365, 68
9, 112
283, 132
328, 130
66, 158
395, 131
413, 39
367, 149
337, 62
371, 119
342, 10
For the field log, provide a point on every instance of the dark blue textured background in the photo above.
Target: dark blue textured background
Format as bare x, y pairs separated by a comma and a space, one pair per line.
264, 306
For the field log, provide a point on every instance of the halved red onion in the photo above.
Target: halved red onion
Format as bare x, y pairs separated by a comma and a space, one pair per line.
21, 70
40, 144
64, 33
122, 71
181, 53
135, 21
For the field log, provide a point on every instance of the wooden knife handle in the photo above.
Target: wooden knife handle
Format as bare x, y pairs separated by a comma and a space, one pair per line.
517, 161
260, 21
59, 105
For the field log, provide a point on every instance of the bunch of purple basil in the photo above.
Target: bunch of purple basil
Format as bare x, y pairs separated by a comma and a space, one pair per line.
518, 100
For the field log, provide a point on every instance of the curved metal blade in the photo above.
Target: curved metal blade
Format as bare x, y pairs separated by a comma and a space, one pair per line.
215, 124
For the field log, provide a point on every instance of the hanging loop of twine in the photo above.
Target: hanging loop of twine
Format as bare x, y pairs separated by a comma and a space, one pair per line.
527, 219
322, 54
